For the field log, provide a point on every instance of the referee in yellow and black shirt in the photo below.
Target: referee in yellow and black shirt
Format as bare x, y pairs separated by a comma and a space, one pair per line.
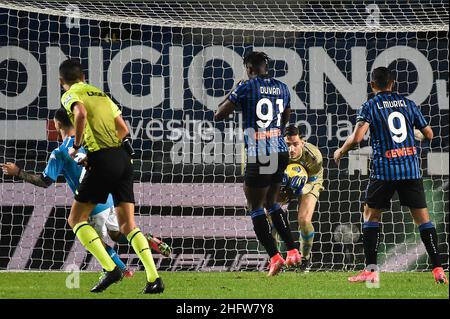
101, 130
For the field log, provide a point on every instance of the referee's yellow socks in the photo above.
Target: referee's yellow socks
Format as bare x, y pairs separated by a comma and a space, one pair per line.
91, 241
142, 249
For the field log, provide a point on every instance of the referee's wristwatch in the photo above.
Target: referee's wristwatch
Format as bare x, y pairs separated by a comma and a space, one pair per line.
76, 147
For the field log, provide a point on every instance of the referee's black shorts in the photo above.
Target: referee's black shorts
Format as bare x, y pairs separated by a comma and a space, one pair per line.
410, 192
259, 173
110, 172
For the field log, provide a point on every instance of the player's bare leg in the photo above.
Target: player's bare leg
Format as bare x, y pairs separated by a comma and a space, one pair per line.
256, 198
90, 239
429, 238
125, 217
371, 237
114, 235
305, 213
281, 223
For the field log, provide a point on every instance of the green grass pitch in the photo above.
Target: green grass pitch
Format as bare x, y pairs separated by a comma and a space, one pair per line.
240, 285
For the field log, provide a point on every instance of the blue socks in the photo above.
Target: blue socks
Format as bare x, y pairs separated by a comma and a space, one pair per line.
115, 258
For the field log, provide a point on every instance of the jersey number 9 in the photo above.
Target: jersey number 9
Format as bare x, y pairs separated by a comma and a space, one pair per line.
400, 133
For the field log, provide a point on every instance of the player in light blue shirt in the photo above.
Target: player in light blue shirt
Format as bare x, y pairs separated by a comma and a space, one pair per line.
61, 163
102, 218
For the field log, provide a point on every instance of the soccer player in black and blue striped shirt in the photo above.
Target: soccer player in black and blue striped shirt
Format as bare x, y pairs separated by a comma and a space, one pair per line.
265, 104
394, 121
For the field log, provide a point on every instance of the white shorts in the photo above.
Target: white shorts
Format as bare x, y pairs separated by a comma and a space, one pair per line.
104, 221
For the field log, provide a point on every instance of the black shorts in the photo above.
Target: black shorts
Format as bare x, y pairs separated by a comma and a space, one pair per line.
110, 172
410, 192
264, 174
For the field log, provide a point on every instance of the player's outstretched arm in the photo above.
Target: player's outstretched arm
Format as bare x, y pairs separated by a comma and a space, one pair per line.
39, 180
352, 141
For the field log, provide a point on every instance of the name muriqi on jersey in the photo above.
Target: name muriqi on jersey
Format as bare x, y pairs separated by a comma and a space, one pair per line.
392, 118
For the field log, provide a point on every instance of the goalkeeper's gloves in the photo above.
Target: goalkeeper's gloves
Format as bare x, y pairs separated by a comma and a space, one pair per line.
127, 145
296, 184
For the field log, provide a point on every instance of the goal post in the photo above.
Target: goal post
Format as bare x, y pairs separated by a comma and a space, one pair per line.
168, 64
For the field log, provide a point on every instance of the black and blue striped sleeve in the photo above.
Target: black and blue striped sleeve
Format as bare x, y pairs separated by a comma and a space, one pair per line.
238, 93
364, 114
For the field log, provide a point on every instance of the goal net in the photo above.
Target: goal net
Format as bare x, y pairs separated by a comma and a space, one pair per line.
168, 64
